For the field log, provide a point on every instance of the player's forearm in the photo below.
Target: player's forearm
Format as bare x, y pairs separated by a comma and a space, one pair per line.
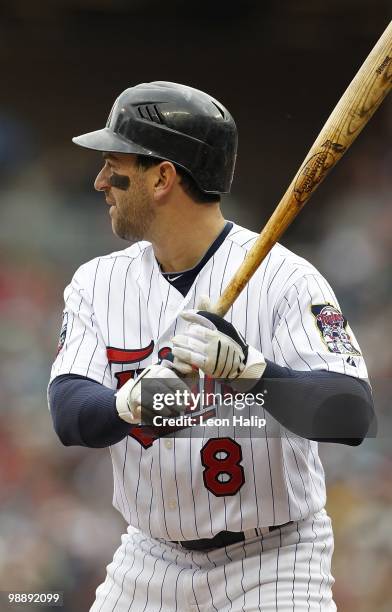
84, 412
318, 405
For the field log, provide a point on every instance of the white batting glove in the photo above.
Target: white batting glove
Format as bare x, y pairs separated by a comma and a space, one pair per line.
159, 378
214, 345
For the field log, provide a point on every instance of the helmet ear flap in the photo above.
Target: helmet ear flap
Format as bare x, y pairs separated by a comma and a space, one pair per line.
173, 122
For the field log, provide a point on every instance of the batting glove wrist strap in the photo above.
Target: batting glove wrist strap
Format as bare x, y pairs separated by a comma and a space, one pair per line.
135, 407
214, 345
253, 371
128, 400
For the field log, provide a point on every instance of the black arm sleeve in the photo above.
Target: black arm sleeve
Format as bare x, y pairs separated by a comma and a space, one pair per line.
84, 412
318, 405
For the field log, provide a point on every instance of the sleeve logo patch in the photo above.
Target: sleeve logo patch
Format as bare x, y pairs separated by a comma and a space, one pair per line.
332, 326
63, 332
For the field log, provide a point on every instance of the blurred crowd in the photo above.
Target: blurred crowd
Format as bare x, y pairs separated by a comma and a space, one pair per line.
58, 530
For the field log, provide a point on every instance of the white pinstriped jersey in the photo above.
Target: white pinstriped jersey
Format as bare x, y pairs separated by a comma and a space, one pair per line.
121, 312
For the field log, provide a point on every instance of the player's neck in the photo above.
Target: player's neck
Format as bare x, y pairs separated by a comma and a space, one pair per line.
186, 238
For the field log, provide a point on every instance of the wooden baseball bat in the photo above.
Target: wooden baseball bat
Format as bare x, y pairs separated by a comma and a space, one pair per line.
354, 109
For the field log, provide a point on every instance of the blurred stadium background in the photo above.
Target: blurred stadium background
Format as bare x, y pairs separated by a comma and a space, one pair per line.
279, 67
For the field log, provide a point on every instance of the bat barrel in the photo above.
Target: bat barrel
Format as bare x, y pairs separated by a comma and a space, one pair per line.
357, 105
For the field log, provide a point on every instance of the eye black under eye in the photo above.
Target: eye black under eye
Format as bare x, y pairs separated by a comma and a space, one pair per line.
120, 181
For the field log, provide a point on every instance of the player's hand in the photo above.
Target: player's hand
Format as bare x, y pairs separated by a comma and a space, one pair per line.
135, 399
214, 345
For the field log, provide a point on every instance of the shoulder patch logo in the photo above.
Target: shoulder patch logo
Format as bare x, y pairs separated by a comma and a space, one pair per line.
332, 326
63, 332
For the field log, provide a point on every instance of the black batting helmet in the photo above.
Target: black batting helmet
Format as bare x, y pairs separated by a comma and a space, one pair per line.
176, 123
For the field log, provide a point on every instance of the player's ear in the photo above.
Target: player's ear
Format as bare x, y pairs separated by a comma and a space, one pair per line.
164, 179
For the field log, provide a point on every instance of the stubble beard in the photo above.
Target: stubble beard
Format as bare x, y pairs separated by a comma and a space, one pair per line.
134, 214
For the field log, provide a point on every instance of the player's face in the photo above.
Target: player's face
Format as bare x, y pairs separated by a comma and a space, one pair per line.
125, 188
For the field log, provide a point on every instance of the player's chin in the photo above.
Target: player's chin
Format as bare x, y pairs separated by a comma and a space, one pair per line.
118, 231
117, 225
123, 231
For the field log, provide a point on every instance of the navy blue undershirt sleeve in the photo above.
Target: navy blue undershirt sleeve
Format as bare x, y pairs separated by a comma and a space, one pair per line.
84, 412
318, 405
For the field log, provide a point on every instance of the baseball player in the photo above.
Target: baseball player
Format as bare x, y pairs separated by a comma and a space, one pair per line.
225, 512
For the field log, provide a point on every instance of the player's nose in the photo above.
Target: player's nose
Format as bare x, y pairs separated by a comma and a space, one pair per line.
101, 182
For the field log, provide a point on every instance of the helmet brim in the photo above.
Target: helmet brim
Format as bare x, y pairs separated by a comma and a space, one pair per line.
108, 141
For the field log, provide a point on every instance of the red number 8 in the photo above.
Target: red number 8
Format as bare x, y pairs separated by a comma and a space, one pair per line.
222, 475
